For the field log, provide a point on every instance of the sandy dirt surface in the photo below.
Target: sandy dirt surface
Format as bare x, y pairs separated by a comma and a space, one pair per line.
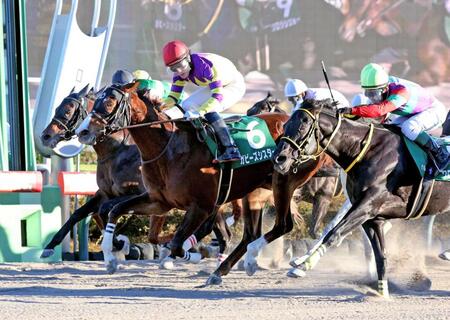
140, 290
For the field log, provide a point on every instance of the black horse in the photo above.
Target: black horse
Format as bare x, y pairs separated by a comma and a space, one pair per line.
320, 190
380, 185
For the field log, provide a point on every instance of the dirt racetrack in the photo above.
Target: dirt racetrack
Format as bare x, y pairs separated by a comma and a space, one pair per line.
140, 290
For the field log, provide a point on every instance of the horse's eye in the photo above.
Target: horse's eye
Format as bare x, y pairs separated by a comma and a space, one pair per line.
304, 120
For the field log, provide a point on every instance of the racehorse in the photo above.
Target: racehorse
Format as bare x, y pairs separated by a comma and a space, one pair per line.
177, 169
381, 181
118, 173
318, 191
118, 163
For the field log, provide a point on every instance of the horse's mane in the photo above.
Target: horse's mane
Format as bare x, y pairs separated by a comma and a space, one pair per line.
150, 101
323, 106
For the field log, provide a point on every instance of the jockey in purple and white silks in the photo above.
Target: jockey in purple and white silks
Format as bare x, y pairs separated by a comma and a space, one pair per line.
405, 104
222, 85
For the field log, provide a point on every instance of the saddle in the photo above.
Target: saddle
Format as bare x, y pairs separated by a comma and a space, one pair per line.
424, 189
421, 192
250, 134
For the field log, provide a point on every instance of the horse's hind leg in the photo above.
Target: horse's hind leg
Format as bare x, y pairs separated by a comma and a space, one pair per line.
375, 233
92, 205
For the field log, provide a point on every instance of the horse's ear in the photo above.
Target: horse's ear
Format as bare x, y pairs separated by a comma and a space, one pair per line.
130, 87
269, 94
97, 94
72, 91
84, 91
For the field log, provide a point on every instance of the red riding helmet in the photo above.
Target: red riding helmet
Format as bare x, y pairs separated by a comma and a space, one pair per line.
174, 51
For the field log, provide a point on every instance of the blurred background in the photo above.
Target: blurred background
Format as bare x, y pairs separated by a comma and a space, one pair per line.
270, 40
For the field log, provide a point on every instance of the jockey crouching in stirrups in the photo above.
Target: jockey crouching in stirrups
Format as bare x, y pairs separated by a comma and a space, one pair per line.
411, 107
223, 86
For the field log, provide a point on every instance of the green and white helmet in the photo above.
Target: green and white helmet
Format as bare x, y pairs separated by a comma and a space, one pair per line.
373, 76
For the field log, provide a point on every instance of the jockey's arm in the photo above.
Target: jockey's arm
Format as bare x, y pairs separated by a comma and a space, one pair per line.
394, 101
216, 97
175, 91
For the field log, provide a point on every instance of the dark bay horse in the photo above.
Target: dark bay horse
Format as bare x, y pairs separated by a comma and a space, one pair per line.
380, 185
320, 190
118, 163
177, 170
118, 173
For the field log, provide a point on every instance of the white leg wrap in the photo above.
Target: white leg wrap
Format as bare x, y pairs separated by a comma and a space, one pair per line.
256, 246
253, 250
192, 257
108, 238
189, 242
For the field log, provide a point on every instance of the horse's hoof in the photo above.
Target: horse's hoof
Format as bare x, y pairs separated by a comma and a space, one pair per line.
163, 252
214, 280
195, 257
111, 266
167, 263
445, 255
47, 253
251, 268
296, 273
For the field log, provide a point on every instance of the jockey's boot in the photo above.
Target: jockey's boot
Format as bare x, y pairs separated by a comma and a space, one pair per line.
231, 151
440, 157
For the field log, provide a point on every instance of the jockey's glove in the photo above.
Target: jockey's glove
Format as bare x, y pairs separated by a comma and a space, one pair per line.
191, 114
346, 112
168, 103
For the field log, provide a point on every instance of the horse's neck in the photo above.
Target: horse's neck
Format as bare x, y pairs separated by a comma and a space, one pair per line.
346, 144
109, 145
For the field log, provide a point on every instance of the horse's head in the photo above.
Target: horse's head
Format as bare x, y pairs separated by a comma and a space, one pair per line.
268, 104
302, 135
112, 112
115, 109
68, 116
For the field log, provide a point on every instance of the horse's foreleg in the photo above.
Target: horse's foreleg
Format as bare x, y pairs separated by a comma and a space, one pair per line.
82, 212
375, 233
355, 217
312, 257
283, 190
139, 205
252, 230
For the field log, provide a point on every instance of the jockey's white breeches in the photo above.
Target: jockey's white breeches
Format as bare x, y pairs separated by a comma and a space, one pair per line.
426, 120
232, 93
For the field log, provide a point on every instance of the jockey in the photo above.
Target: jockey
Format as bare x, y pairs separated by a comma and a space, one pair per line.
158, 88
296, 91
122, 77
223, 86
411, 107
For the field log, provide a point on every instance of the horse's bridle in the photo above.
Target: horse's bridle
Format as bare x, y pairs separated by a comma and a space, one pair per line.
112, 120
70, 125
313, 129
121, 113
